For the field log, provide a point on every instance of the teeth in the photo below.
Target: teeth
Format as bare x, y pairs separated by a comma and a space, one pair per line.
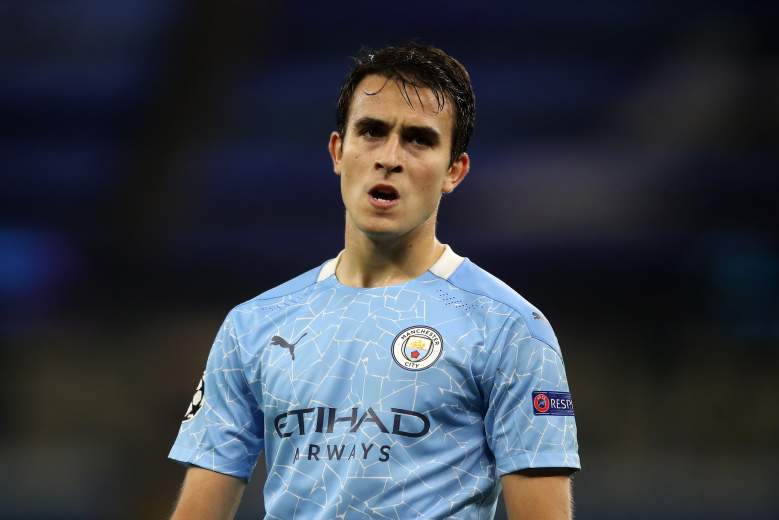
383, 195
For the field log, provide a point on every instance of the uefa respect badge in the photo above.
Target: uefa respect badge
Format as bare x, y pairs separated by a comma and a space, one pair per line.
552, 403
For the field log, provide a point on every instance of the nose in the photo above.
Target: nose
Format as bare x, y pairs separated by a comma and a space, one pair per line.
389, 156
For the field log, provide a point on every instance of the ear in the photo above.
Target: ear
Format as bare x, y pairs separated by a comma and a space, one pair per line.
335, 147
457, 172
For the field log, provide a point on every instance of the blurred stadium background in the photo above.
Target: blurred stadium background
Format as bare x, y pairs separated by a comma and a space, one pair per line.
164, 161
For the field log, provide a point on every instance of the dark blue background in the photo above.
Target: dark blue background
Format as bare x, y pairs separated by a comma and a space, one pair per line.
164, 161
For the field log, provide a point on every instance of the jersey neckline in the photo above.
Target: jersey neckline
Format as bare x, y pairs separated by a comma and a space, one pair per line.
444, 267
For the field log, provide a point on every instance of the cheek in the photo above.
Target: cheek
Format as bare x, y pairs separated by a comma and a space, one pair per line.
351, 151
350, 174
427, 191
352, 161
429, 187
433, 182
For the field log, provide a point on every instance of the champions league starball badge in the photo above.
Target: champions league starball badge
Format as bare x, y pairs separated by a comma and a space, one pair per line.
197, 401
417, 347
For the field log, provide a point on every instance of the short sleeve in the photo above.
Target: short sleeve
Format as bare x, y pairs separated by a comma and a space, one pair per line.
223, 427
529, 419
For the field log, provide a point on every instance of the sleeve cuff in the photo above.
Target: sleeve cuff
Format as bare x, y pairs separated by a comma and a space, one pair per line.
541, 460
210, 460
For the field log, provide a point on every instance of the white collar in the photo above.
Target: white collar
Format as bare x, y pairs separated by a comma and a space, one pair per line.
446, 264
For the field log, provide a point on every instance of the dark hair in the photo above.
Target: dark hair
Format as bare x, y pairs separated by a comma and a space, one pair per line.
416, 65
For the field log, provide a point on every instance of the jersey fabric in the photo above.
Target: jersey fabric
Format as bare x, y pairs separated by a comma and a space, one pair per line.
398, 402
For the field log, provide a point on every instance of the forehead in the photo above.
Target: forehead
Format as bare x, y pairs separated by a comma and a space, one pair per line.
382, 98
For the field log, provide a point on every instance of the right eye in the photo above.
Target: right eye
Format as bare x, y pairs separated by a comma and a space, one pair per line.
372, 132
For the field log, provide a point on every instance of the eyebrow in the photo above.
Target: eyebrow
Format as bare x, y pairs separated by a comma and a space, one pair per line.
370, 122
426, 132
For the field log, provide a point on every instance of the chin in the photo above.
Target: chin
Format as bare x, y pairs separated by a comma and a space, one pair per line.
381, 233
385, 228
379, 229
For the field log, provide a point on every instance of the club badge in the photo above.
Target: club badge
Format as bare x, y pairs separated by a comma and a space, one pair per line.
417, 348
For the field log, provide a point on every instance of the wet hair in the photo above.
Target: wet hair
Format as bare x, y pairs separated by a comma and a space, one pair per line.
416, 65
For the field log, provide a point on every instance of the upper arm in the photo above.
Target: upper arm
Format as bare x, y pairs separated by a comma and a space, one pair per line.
208, 495
528, 421
530, 425
537, 497
225, 431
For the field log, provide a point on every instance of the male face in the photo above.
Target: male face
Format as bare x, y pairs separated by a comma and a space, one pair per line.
394, 158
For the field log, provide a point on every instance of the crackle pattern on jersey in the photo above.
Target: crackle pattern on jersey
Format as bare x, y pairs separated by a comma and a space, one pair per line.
357, 420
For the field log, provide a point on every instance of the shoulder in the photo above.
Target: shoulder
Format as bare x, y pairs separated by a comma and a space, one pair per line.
471, 278
296, 284
280, 296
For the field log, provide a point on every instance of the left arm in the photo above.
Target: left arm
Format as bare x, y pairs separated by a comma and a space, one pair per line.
537, 496
529, 421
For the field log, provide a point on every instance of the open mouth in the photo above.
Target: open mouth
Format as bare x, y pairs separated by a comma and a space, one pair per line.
384, 193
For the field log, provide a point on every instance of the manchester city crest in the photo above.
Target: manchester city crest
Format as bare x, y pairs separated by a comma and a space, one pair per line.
417, 347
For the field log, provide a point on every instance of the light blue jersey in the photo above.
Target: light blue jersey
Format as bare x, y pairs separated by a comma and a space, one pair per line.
407, 401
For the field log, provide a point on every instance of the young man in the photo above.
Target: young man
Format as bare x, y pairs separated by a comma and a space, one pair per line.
397, 380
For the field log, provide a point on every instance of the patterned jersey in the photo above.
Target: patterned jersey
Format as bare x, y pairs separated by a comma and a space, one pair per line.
398, 402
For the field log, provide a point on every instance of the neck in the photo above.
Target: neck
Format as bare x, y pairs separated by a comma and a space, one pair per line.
377, 262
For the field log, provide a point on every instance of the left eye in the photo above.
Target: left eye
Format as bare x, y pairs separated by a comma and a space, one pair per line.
421, 141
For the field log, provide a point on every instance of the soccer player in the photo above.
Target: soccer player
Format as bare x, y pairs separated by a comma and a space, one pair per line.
397, 380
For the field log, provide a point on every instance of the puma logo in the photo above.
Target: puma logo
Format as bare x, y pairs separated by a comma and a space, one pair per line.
278, 340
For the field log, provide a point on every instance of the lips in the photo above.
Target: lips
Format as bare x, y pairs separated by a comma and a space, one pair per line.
383, 196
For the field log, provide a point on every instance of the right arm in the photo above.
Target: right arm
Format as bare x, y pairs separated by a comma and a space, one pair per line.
208, 495
221, 436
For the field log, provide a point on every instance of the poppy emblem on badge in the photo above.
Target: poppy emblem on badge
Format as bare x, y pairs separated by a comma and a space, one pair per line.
417, 347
